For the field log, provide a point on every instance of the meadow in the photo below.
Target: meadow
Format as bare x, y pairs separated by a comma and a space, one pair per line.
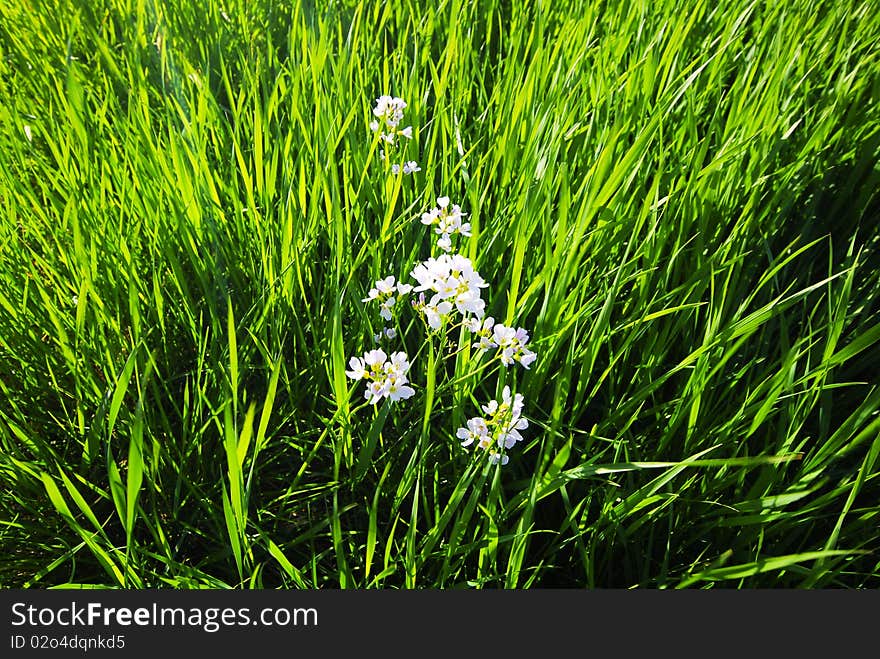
671, 212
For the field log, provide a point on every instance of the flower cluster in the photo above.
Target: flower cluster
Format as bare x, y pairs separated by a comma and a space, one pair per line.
409, 167
500, 430
448, 222
383, 292
386, 376
389, 115
446, 285
389, 111
510, 342
455, 284
387, 333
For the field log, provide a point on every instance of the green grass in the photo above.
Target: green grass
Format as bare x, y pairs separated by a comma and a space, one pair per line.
681, 206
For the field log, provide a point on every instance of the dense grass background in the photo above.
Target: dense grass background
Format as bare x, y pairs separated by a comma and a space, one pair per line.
681, 205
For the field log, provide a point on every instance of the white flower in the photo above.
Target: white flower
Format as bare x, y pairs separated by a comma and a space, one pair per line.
398, 391
446, 288
27, 133
448, 224
388, 114
381, 106
386, 333
387, 376
448, 220
491, 407
469, 301
430, 217
515, 404
503, 335
511, 343
462, 264
437, 313
398, 366
500, 429
451, 278
475, 431
484, 331
508, 414
389, 110
428, 272
484, 344
358, 369
383, 292
484, 327
375, 359
385, 308
495, 458
386, 285
526, 358
376, 390
409, 167
507, 440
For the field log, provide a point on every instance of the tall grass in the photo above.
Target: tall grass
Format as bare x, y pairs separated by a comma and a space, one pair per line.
681, 205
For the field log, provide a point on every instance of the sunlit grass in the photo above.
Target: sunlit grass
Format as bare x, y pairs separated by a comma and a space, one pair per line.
680, 205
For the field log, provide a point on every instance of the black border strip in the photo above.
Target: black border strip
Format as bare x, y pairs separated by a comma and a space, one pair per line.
389, 623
